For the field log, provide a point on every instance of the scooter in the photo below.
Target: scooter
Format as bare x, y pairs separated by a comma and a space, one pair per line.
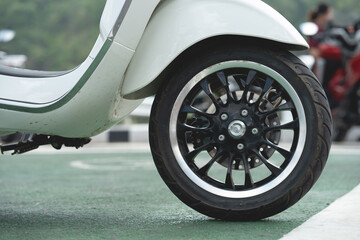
240, 129
339, 50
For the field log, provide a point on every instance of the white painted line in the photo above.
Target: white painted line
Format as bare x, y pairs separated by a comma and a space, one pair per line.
113, 164
341, 220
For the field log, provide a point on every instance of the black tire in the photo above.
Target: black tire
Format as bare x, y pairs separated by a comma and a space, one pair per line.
239, 153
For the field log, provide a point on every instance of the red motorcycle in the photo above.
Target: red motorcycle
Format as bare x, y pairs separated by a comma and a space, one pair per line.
339, 70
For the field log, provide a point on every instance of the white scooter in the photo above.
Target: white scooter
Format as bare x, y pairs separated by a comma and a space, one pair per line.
240, 129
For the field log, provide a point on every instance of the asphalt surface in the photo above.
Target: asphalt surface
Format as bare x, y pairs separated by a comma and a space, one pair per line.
116, 193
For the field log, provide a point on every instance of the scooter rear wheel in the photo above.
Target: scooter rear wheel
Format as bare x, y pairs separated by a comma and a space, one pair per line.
240, 133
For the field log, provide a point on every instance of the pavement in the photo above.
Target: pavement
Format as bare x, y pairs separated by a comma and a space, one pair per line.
113, 191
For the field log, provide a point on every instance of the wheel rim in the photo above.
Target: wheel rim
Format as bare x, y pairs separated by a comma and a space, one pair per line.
228, 116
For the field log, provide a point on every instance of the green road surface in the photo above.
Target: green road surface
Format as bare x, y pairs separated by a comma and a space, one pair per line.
121, 196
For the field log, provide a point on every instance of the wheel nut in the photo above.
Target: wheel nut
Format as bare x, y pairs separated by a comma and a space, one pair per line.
221, 137
224, 116
255, 131
244, 112
240, 146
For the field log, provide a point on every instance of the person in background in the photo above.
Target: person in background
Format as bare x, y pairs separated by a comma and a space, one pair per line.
321, 15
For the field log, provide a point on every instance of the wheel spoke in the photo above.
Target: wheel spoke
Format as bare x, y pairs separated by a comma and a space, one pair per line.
205, 86
191, 109
249, 80
229, 181
289, 126
285, 153
284, 107
268, 83
249, 183
251, 97
189, 157
205, 169
183, 127
222, 78
224, 81
273, 169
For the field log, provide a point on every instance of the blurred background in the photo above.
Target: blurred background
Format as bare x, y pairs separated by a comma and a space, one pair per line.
58, 35
54, 35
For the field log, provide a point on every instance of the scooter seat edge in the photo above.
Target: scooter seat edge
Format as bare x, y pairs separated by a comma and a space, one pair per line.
19, 72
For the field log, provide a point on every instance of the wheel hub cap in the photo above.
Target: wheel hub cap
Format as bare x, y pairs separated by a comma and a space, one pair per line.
237, 129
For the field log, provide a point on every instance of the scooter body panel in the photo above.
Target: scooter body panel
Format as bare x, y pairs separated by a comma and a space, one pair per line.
109, 16
177, 25
22, 91
133, 25
86, 111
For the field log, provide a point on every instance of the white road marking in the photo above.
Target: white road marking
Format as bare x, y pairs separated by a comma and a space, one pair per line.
341, 220
113, 164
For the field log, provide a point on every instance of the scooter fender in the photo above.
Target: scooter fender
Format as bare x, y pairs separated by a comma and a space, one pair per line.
177, 25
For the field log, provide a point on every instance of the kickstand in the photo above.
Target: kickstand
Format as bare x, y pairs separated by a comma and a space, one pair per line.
34, 141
